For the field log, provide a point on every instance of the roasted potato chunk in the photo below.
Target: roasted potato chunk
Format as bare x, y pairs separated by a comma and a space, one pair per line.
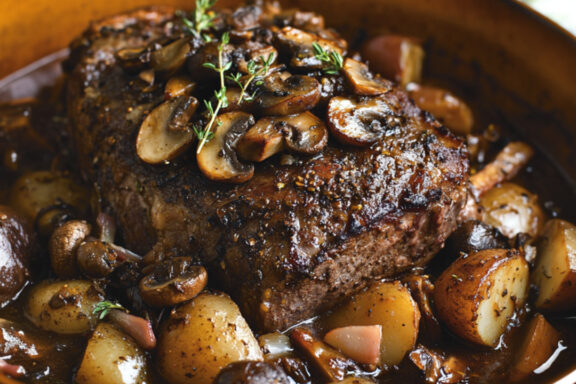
513, 210
203, 336
478, 294
555, 271
390, 305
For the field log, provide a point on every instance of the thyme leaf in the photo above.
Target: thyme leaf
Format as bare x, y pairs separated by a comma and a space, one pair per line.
206, 134
332, 60
103, 308
256, 70
203, 19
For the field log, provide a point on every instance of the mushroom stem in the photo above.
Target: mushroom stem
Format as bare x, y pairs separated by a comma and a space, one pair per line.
125, 254
140, 329
11, 369
107, 227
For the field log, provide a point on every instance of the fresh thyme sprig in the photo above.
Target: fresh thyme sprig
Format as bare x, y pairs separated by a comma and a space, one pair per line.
203, 18
332, 60
103, 308
256, 69
204, 135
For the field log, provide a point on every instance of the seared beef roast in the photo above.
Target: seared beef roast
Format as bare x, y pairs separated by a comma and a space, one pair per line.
305, 231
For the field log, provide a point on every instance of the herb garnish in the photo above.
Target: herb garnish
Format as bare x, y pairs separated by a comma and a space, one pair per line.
206, 134
203, 18
256, 71
103, 308
332, 60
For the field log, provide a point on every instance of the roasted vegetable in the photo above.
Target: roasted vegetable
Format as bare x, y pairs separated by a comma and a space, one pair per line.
555, 270
389, 305
17, 248
478, 294
65, 307
112, 357
513, 210
540, 342
203, 336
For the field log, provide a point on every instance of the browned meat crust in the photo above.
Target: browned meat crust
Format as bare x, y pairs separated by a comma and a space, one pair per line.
295, 239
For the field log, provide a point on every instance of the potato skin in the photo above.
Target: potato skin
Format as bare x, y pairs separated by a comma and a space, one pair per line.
555, 270
390, 305
112, 357
64, 307
203, 336
540, 341
468, 283
512, 209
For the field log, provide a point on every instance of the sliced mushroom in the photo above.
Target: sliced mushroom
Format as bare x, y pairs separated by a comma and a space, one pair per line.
218, 159
164, 134
281, 95
364, 82
133, 59
262, 141
63, 246
172, 282
171, 57
303, 133
178, 86
397, 58
99, 259
359, 122
299, 46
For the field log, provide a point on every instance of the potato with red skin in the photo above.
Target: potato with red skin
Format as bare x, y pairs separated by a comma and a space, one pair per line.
397, 58
540, 342
555, 270
17, 246
478, 294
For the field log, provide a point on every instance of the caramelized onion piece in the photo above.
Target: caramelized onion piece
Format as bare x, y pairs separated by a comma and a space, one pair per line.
281, 95
303, 133
364, 82
164, 134
359, 122
218, 159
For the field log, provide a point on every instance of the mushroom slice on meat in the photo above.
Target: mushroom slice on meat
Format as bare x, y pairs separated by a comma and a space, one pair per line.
218, 159
359, 122
178, 86
171, 57
133, 59
281, 95
262, 141
303, 133
172, 281
364, 82
299, 46
164, 133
